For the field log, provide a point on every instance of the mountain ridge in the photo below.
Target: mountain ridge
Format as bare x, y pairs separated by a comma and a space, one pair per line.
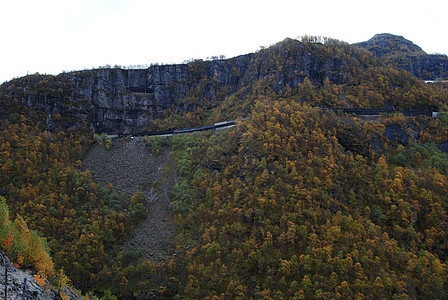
116, 100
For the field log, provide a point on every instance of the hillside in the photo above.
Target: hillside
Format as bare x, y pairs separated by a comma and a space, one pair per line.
295, 202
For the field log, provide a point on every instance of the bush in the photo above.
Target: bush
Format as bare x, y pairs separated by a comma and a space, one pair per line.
104, 140
157, 144
183, 196
443, 118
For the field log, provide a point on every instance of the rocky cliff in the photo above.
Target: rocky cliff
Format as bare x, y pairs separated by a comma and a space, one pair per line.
116, 100
123, 99
15, 280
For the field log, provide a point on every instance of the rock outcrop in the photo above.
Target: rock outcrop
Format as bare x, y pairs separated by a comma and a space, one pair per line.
122, 99
15, 280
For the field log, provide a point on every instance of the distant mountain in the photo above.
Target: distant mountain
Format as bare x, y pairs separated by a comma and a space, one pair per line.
388, 44
405, 55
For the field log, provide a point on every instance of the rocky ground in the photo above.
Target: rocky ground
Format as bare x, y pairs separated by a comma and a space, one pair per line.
131, 168
15, 280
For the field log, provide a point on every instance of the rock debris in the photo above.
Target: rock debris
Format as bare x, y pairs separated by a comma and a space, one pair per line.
131, 168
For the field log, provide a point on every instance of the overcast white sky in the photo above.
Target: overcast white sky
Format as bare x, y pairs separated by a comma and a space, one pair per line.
51, 36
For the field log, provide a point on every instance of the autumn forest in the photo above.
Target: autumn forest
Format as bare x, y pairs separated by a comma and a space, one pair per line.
297, 201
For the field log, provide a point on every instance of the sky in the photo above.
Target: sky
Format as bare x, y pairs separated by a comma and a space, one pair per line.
53, 36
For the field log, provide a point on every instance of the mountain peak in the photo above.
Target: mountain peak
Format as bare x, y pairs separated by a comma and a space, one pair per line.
389, 44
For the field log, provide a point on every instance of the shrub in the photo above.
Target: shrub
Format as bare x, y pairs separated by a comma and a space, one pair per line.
104, 140
157, 144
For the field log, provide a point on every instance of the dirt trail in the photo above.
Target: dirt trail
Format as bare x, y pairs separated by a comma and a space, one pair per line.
131, 168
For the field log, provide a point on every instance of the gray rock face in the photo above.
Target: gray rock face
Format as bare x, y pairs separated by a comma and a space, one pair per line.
121, 101
125, 100
298, 61
15, 284
397, 134
427, 67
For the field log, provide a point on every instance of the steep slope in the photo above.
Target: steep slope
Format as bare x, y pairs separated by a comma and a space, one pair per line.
131, 169
284, 209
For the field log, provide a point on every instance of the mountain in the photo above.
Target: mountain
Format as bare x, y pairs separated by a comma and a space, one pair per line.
298, 200
389, 44
405, 55
115, 100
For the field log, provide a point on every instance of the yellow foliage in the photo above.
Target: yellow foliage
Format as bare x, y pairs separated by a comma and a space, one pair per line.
41, 280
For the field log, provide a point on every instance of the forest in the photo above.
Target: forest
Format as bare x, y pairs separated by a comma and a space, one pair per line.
295, 202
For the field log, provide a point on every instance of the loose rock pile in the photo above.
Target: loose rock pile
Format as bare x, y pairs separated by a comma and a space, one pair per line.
130, 167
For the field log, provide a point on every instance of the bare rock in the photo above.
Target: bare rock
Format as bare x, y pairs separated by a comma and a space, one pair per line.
15, 280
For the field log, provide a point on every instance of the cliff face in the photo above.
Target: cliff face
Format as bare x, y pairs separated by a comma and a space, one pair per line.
289, 62
123, 100
426, 67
